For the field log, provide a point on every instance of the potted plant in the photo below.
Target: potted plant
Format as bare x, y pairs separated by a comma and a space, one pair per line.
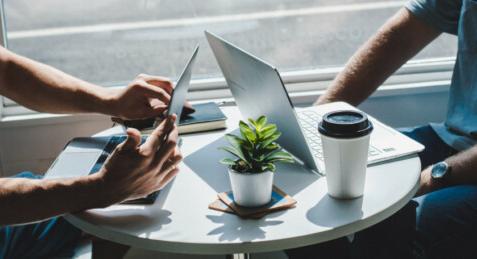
255, 154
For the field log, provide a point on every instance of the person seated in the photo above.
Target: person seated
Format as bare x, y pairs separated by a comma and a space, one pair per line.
441, 222
133, 170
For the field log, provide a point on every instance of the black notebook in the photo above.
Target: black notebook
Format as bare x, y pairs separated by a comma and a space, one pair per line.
207, 116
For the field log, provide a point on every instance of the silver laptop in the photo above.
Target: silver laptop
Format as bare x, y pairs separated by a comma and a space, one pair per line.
259, 90
83, 156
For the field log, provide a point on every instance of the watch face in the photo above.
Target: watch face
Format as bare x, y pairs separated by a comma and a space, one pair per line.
439, 170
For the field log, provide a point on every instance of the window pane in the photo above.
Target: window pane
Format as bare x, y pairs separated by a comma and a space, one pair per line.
111, 41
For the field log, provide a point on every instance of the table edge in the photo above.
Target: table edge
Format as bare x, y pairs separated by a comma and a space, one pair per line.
245, 247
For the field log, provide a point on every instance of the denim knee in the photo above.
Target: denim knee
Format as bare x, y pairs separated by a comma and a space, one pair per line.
447, 219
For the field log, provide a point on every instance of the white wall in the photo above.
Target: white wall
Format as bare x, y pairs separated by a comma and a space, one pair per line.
33, 148
26, 147
408, 109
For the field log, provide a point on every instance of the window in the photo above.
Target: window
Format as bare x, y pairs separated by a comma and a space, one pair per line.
110, 41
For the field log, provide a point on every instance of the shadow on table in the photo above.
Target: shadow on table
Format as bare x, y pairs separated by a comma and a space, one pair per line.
331, 212
234, 228
139, 219
291, 178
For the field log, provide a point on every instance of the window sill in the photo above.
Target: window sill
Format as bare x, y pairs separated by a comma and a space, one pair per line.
38, 119
299, 98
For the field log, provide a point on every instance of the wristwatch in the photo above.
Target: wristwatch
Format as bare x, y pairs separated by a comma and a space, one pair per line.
440, 172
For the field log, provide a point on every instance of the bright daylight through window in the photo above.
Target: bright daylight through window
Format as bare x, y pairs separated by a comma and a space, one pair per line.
110, 41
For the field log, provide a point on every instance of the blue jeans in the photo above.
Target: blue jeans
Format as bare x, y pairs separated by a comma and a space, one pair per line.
441, 224
53, 237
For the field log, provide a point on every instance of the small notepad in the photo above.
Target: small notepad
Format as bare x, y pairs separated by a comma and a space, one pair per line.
280, 201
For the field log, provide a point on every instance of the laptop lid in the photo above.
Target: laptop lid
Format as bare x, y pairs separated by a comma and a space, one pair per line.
258, 90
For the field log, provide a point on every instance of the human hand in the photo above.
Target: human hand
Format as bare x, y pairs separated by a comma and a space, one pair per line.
145, 97
426, 184
134, 170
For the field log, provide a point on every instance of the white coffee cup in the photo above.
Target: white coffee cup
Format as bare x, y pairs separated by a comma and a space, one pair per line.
345, 140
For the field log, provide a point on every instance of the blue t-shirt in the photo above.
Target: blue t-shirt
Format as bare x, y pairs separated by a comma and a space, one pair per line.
458, 17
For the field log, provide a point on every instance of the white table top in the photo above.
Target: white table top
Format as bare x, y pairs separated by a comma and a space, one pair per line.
180, 221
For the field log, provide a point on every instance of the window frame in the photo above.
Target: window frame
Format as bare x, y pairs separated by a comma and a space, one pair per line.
3, 42
421, 75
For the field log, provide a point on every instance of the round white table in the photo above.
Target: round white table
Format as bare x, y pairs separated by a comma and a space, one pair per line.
180, 221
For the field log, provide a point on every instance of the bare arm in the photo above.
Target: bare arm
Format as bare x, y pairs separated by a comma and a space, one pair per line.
132, 171
398, 40
464, 171
43, 88
464, 167
27, 200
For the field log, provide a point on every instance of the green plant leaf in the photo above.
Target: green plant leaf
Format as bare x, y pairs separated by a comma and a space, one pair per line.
279, 155
268, 131
235, 152
249, 155
261, 121
264, 153
253, 123
269, 148
236, 141
283, 160
243, 147
247, 132
272, 146
228, 161
268, 167
256, 149
240, 166
270, 139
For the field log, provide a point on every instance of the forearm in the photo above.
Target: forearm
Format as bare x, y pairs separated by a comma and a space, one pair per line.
398, 40
463, 171
28, 200
43, 88
464, 167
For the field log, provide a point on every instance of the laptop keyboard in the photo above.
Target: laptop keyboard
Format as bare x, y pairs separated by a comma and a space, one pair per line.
309, 122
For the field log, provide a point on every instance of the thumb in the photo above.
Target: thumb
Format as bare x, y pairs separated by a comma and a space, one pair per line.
158, 110
188, 109
133, 140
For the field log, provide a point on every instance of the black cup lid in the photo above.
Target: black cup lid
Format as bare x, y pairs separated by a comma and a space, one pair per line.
345, 124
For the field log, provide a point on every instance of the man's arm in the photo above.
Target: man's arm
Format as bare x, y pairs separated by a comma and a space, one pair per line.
463, 171
398, 40
133, 170
26, 200
43, 88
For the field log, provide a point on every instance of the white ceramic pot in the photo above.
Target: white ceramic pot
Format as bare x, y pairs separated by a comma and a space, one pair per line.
251, 189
